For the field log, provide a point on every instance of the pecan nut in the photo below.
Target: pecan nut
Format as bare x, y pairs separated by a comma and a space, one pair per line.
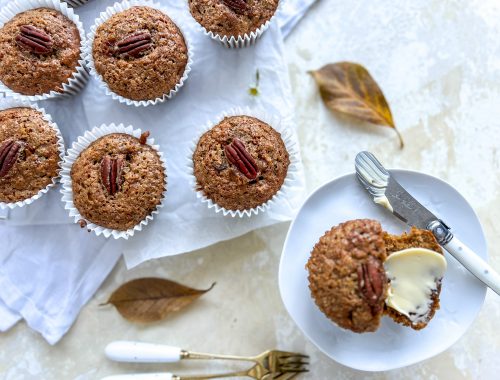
239, 157
134, 45
34, 40
371, 282
9, 151
238, 6
112, 174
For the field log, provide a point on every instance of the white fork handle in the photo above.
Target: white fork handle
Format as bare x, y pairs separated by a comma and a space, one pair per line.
137, 352
475, 264
141, 376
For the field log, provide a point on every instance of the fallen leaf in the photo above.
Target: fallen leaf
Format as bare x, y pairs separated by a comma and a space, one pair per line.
147, 300
349, 88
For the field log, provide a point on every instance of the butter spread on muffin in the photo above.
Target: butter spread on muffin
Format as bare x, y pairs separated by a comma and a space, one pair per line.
351, 286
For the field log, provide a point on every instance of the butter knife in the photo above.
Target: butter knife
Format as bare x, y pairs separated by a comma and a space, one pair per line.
387, 192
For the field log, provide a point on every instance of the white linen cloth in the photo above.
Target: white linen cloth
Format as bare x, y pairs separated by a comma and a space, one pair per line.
49, 267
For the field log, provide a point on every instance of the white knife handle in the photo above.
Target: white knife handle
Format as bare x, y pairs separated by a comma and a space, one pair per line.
137, 352
476, 265
141, 376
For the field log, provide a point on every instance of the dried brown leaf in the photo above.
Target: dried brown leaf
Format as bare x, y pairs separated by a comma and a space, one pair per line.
147, 300
349, 88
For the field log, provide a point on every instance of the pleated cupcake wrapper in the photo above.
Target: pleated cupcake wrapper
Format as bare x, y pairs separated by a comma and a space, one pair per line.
80, 77
13, 103
238, 42
291, 144
67, 187
75, 3
120, 7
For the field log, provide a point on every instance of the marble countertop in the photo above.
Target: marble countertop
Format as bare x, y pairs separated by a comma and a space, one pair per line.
441, 77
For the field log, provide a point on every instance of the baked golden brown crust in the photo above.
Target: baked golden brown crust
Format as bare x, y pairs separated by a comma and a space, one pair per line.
141, 189
216, 16
32, 74
222, 182
38, 160
333, 274
154, 72
416, 238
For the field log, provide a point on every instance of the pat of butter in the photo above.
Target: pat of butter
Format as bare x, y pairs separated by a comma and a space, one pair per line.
383, 201
414, 274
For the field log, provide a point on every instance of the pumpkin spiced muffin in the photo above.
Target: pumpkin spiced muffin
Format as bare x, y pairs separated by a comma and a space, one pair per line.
117, 181
39, 52
358, 273
240, 163
232, 18
29, 154
140, 53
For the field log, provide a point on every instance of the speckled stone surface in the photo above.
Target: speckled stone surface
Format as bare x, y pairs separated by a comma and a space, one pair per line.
438, 65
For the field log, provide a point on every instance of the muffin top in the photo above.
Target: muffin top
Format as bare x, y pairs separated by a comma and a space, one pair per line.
39, 51
140, 53
117, 181
232, 17
346, 275
29, 154
240, 163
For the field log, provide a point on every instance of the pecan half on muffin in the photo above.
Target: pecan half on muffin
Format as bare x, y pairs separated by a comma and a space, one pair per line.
39, 51
29, 154
117, 181
140, 53
232, 18
354, 280
240, 163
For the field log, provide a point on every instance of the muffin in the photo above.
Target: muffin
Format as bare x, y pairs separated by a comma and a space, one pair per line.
140, 53
416, 238
350, 284
39, 52
117, 181
232, 18
240, 163
29, 154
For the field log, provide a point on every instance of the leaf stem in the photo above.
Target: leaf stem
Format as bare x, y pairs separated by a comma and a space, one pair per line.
401, 142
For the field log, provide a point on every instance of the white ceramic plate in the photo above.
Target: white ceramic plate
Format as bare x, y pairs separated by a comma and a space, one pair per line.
392, 345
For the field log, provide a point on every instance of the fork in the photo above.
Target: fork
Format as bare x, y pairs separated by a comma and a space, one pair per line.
270, 365
136, 352
255, 373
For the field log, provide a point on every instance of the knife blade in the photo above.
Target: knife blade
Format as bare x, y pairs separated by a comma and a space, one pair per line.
386, 191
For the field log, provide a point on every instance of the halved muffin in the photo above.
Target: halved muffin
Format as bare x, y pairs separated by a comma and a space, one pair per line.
354, 281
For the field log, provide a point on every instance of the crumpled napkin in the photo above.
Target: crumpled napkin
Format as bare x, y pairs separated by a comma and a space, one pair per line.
49, 267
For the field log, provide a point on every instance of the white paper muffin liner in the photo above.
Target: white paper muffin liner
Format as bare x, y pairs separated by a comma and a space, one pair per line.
75, 3
67, 187
80, 77
12, 103
291, 145
239, 41
120, 7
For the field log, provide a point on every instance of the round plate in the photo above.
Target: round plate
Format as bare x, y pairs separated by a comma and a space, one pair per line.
392, 345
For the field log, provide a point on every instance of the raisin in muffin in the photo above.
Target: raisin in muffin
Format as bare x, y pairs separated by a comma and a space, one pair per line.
140, 53
240, 163
39, 51
117, 181
348, 280
232, 18
29, 154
